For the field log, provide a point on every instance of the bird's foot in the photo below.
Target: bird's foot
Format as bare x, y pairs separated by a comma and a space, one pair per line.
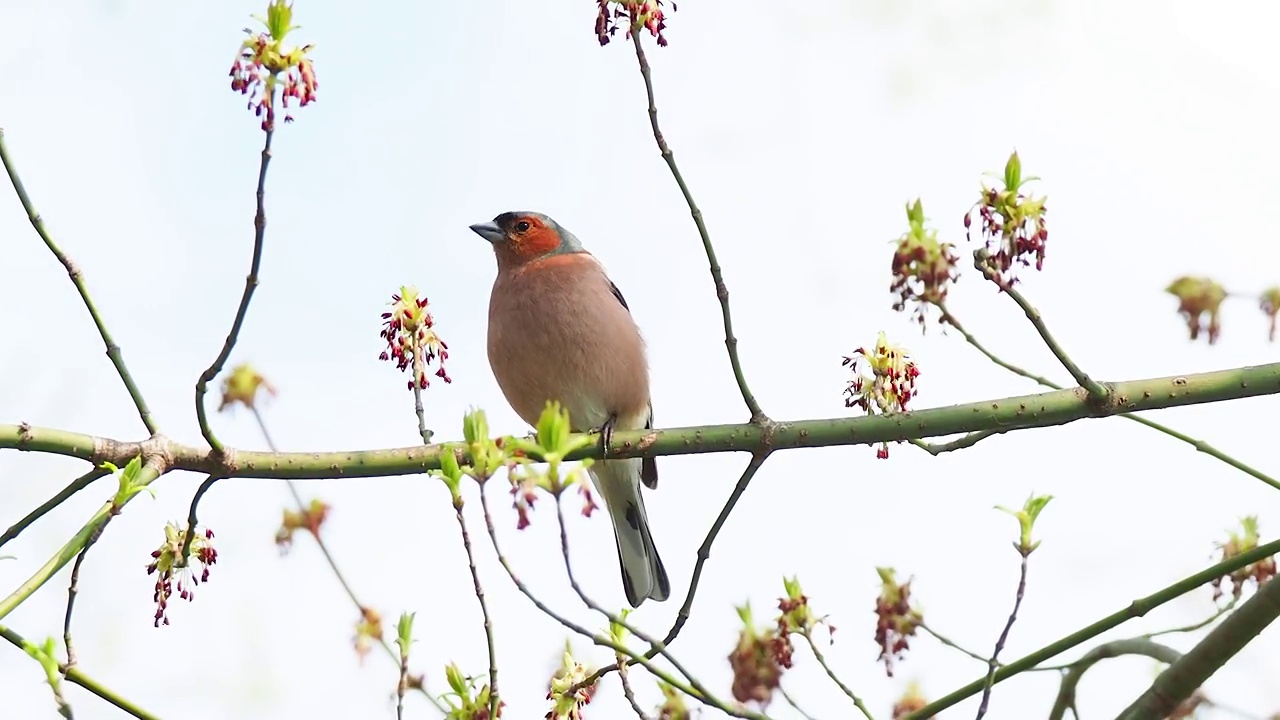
606, 434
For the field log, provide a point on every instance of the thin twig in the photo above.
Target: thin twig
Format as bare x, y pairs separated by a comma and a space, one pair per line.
1199, 445
484, 608
76, 486
704, 554
822, 661
77, 676
250, 284
74, 589
968, 441
598, 638
722, 290
993, 663
1066, 698
328, 556
320, 543
152, 468
1231, 604
792, 702
614, 617
77, 278
629, 693
953, 645
982, 262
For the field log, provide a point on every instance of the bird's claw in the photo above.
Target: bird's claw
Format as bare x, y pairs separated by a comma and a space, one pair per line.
606, 435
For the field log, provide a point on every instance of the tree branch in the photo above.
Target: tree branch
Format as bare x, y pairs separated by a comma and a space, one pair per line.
1066, 698
1199, 445
993, 663
1006, 414
722, 290
76, 486
1136, 609
151, 470
77, 278
328, 556
494, 699
704, 554
75, 675
600, 639
1186, 674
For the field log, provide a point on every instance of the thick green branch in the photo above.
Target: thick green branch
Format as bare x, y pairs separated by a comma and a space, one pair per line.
78, 677
150, 471
1188, 673
77, 278
1005, 414
1136, 609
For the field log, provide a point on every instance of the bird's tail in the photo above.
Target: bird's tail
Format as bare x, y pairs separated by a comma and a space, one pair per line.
643, 576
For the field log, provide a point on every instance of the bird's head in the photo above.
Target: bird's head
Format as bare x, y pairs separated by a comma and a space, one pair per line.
522, 237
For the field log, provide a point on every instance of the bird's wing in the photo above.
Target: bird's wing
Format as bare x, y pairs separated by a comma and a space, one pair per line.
648, 467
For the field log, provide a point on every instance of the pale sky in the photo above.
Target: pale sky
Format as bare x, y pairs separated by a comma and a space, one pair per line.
802, 132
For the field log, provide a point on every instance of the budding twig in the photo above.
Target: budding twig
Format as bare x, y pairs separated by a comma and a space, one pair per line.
722, 290
77, 676
250, 284
77, 279
1199, 445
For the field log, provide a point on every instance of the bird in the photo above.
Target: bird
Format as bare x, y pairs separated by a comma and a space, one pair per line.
560, 330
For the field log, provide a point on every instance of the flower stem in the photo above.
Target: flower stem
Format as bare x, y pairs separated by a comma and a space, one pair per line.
981, 261
822, 660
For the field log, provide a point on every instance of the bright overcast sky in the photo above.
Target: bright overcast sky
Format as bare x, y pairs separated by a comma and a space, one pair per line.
802, 132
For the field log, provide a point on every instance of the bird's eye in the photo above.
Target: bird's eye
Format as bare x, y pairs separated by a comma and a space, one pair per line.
522, 226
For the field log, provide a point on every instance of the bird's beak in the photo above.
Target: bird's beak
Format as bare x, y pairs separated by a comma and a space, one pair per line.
489, 231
